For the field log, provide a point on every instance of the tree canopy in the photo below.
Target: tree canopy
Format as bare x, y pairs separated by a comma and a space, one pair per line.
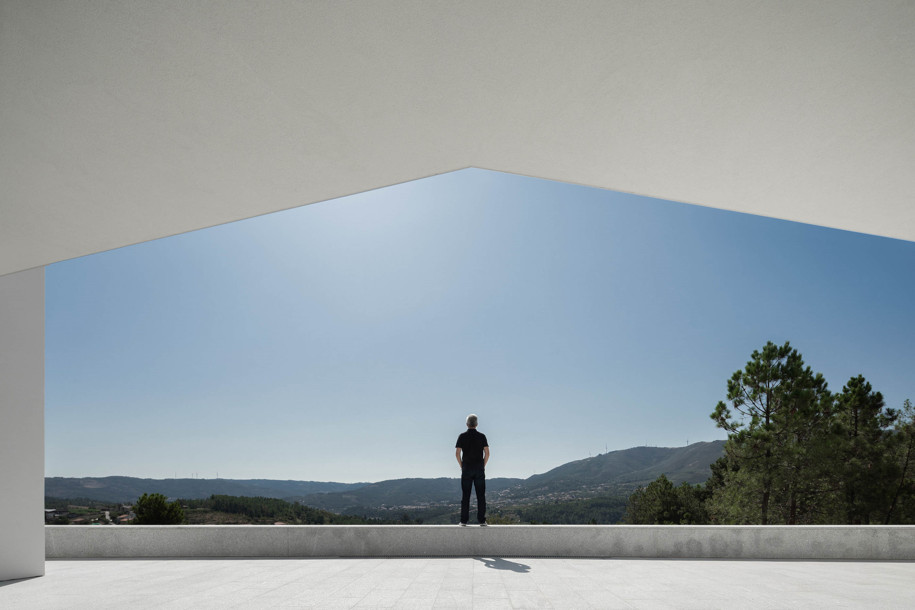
155, 509
796, 454
660, 503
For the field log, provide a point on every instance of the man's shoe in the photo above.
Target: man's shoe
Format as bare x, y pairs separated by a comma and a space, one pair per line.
463, 525
484, 524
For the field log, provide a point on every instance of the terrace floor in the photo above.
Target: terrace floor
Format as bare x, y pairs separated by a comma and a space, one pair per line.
480, 582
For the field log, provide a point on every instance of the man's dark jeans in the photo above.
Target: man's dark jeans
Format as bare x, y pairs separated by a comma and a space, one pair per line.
475, 477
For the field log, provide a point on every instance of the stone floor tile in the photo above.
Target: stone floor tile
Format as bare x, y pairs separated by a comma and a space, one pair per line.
421, 589
339, 602
523, 598
489, 577
463, 583
492, 604
519, 584
489, 590
423, 586
454, 598
381, 597
602, 599
657, 604
415, 603
457, 584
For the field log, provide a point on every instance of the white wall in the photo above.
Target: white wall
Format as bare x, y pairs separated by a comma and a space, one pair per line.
815, 542
797, 110
22, 424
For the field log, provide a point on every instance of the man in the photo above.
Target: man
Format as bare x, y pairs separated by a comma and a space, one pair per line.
475, 451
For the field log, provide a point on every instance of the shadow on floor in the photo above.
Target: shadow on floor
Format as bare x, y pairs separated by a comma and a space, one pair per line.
497, 563
4, 583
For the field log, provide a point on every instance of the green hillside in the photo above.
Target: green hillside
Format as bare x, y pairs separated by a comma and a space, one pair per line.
128, 489
627, 469
609, 474
413, 493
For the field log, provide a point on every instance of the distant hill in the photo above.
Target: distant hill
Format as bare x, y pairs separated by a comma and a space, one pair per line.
128, 489
400, 493
627, 469
613, 473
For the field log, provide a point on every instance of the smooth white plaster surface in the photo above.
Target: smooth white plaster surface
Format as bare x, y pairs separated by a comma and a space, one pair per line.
22, 424
127, 121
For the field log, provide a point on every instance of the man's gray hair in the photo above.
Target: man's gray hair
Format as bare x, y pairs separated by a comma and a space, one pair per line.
472, 421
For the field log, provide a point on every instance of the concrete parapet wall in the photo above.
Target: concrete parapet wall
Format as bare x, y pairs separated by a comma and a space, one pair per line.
623, 541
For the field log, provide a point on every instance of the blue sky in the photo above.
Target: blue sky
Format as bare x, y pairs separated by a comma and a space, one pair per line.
347, 340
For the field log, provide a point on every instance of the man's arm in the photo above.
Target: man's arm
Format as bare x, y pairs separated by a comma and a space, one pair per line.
457, 454
485, 456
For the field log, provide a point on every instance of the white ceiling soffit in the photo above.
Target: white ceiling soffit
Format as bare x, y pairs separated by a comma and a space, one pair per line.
122, 122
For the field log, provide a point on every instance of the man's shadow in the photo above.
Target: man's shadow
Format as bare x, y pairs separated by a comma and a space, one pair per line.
497, 563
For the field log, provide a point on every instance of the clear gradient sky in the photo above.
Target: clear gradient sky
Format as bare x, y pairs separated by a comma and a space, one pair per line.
347, 340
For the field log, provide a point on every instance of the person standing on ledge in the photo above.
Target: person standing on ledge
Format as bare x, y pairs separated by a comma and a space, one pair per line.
475, 450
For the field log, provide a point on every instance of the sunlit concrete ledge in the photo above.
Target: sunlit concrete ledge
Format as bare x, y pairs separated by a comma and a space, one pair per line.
622, 541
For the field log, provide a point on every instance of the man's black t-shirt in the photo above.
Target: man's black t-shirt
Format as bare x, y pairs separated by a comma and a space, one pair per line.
472, 443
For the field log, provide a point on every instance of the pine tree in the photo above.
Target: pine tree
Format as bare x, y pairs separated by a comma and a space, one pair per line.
660, 503
902, 490
155, 509
776, 439
865, 458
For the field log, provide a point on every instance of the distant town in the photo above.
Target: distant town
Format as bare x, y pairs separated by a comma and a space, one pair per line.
90, 513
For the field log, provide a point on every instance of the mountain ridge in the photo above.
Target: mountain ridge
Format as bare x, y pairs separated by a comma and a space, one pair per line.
615, 472
635, 466
128, 489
